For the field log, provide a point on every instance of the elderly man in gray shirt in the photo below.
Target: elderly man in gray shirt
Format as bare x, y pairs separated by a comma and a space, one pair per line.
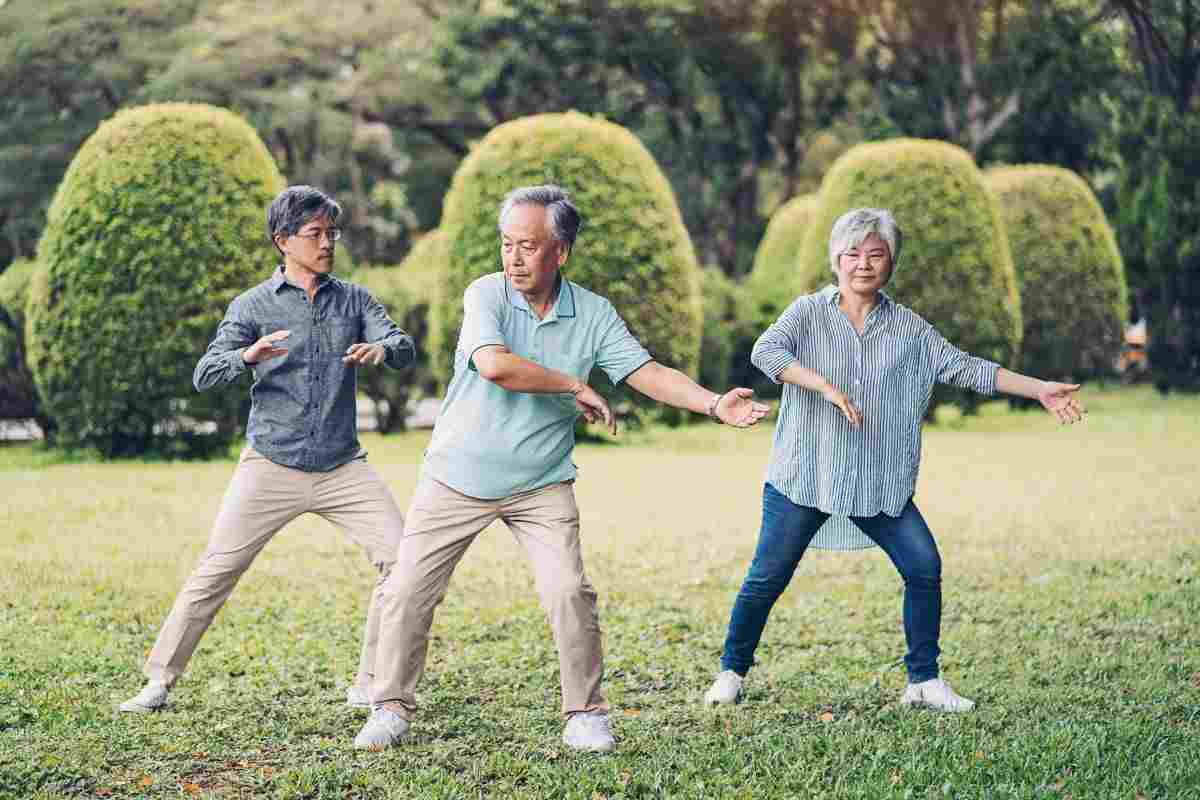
303, 333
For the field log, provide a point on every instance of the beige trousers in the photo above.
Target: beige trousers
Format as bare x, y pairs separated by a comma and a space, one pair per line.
441, 524
263, 497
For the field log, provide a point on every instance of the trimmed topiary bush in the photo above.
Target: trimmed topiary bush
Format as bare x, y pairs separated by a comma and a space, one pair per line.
1069, 271
18, 395
632, 248
157, 225
955, 267
774, 282
407, 293
726, 330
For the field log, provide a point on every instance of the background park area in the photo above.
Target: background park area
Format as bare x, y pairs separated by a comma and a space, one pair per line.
1072, 617
1041, 160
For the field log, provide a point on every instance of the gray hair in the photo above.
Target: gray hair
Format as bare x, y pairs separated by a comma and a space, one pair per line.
855, 226
295, 207
564, 217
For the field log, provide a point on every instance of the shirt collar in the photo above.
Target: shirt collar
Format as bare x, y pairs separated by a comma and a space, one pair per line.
564, 306
278, 281
831, 295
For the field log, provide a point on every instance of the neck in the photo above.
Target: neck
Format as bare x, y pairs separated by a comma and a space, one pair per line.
541, 302
305, 278
856, 303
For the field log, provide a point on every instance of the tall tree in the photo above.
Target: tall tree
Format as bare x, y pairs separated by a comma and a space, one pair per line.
64, 67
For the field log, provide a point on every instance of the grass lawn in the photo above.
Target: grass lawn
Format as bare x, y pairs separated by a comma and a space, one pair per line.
1072, 615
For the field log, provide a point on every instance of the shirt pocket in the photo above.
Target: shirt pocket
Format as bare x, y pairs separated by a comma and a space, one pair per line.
340, 333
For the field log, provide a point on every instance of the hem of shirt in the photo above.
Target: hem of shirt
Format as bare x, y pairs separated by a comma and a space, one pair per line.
838, 512
624, 377
275, 457
426, 472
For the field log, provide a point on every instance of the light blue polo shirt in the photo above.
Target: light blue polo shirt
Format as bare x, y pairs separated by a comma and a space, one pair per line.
489, 442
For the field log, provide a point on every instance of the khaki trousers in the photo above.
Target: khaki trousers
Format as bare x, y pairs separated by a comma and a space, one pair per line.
263, 497
441, 524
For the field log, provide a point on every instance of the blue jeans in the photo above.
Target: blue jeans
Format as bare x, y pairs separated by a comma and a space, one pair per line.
787, 530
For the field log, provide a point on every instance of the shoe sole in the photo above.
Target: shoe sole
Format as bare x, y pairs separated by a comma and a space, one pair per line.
133, 708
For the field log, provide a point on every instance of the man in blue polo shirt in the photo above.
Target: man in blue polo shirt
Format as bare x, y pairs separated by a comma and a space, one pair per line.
502, 448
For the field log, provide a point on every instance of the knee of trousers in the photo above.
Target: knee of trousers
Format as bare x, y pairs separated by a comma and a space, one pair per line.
923, 579
567, 591
764, 585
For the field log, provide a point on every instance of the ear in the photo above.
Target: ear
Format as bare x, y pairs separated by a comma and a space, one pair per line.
563, 253
279, 240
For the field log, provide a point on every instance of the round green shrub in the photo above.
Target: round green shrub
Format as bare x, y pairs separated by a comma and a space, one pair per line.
18, 395
727, 333
158, 224
632, 247
774, 282
406, 291
1069, 271
955, 267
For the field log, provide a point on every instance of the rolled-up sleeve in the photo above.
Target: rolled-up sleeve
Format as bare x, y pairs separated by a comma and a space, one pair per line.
957, 368
779, 346
482, 320
618, 353
378, 328
222, 362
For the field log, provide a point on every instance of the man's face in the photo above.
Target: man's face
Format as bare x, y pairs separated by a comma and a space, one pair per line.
312, 247
531, 255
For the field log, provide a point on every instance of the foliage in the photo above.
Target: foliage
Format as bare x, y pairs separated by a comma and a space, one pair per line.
1072, 281
1158, 227
775, 280
955, 267
726, 333
724, 94
632, 247
64, 67
1044, 619
157, 226
407, 292
18, 395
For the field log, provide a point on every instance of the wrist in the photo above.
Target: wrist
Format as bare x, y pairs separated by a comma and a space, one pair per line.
712, 406
577, 387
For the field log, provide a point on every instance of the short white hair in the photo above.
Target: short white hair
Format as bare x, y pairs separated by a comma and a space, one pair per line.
853, 227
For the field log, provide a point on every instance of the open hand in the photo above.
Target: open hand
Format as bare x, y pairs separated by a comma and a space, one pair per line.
362, 353
849, 410
738, 408
593, 406
266, 348
1060, 400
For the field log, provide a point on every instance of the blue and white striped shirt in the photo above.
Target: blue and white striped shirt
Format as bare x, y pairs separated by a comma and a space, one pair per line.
888, 372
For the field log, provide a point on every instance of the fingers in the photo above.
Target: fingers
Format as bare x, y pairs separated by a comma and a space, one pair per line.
853, 415
363, 353
276, 336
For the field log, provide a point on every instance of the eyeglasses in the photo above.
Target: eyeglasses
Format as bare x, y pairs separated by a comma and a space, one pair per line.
876, 260
333, 234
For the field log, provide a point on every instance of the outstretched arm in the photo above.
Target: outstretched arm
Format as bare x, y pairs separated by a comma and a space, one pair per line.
736, 407
1057, 398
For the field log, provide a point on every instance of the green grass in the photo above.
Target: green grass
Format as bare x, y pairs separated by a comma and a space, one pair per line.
1072, 579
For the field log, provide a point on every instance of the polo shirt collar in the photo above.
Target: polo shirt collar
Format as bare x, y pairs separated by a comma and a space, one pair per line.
564, 306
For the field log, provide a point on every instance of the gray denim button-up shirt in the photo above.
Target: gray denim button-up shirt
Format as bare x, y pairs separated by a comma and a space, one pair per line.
302, 411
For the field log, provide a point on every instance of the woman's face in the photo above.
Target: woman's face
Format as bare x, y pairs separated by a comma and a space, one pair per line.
865, 269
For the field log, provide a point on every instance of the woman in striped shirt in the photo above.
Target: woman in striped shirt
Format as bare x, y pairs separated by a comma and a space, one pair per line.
858, 370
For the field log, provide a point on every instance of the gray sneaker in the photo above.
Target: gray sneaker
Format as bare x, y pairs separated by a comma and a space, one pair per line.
937, 694
589, 730
384, 729
152, 697
726, 689
358, 697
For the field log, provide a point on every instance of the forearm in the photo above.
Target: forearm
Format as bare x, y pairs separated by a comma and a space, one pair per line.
805, 378
1014, 383
671, 387
516, 374
218, 366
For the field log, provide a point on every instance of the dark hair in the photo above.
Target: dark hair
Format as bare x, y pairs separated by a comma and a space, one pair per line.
295, 207
564, 217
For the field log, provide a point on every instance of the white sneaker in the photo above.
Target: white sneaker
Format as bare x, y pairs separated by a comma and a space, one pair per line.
589, 730
152, 697
726, 689
935, 693
358, 697
384, 729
